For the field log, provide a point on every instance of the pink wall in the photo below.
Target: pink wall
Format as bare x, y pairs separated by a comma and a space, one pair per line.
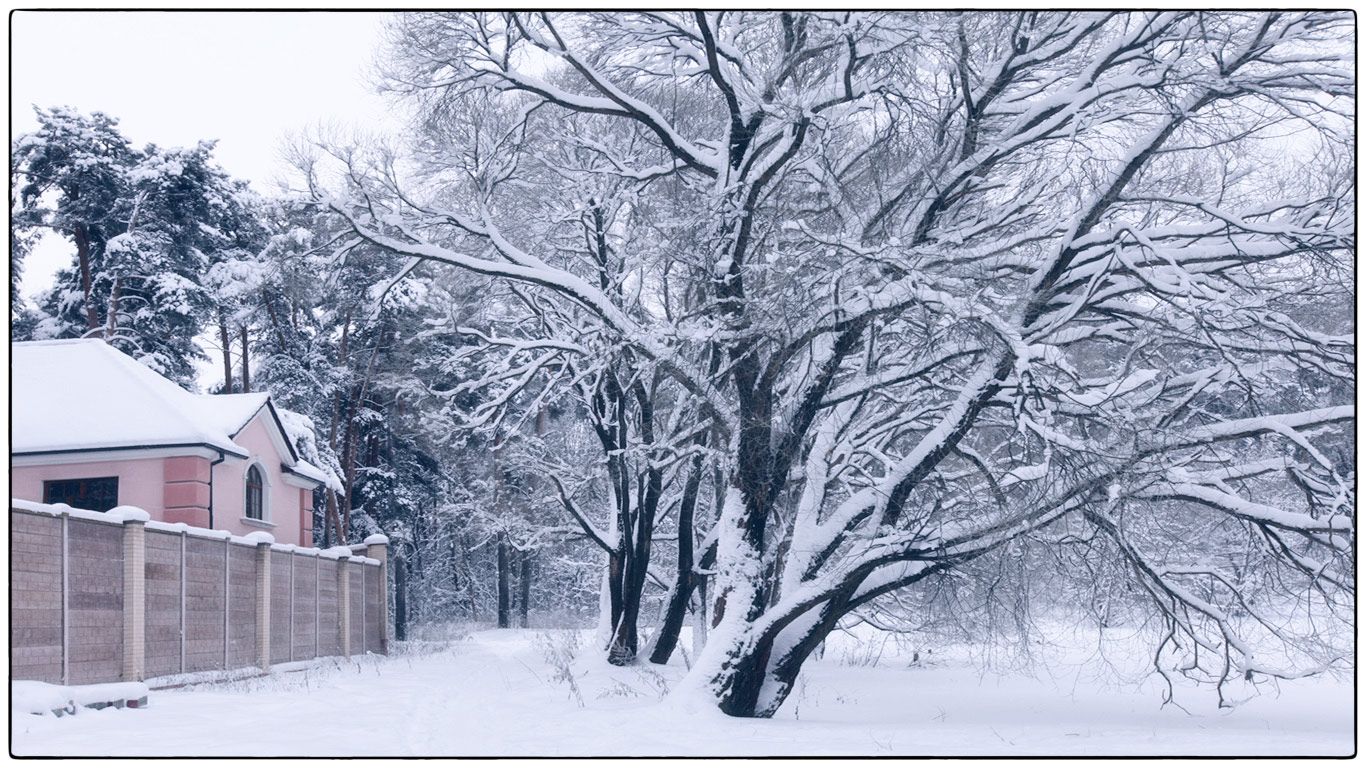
176, 489
187, 493
141, 481
230, 489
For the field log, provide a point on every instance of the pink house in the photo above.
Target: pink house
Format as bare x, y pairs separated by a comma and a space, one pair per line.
93, 428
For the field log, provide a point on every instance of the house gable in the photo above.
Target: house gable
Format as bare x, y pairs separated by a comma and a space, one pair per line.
262, 440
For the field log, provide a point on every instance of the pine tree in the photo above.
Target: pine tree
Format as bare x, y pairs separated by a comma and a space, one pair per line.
146, 225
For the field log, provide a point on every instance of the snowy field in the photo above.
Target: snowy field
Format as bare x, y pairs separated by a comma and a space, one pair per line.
503, 692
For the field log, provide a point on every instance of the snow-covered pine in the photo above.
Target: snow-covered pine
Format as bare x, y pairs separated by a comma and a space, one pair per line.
146, 226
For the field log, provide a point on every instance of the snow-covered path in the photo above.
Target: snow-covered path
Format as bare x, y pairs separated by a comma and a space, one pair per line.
495, 694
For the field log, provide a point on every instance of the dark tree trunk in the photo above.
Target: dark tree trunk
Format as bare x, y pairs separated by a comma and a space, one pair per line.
529, 556
674, 616
92, 315
114, 295
621, 649
741, 697
683, 584
348, 457
464, 545
625, 637
400, 596
503, 586
274, 321
524, 585
334, 524
701, 621
637, 534
246, 369
225, 341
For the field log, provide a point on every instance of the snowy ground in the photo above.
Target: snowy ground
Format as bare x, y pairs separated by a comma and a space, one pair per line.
497, 692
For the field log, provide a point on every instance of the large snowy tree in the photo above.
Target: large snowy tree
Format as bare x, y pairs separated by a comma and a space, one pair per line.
933, 284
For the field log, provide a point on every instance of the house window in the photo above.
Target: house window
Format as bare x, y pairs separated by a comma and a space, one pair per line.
100, 494
255, 498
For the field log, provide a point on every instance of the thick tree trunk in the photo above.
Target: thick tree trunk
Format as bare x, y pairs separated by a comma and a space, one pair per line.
749, 677
350, 435
676, 613
767, 672
627, 571
740, 685
732, 668
625, 638
637, 528
621, 647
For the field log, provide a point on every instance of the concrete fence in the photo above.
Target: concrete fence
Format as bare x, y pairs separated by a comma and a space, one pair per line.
99, 597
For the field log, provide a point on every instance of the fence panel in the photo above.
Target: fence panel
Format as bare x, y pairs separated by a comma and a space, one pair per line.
357, 576
35, 597
162, 622
373, 617
329, 610
204, 604
279, 606
304, 636
94, 602
242, 606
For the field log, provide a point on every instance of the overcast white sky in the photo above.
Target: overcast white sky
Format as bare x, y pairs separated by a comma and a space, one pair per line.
248, 79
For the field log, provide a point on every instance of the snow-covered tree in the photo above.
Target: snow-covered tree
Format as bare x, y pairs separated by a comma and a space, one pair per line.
146, 225
68, 177
938, 284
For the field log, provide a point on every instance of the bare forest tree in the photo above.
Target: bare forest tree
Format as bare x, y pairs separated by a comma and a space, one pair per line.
917, 288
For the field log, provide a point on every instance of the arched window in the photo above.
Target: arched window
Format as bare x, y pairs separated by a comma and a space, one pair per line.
255, 497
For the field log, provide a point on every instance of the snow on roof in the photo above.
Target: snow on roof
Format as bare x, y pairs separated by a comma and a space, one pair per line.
83, 394
304, 469
230, 413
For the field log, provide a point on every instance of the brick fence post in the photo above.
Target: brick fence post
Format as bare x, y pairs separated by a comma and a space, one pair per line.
263, 586
377, 547
344, 603
66, 599
134, 591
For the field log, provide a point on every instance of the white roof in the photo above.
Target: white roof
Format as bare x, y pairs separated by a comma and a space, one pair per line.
84, 395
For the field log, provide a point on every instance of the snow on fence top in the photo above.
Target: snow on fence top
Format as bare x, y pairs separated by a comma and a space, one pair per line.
121, 515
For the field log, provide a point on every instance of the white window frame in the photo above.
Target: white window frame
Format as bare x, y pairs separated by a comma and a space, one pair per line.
265, 520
